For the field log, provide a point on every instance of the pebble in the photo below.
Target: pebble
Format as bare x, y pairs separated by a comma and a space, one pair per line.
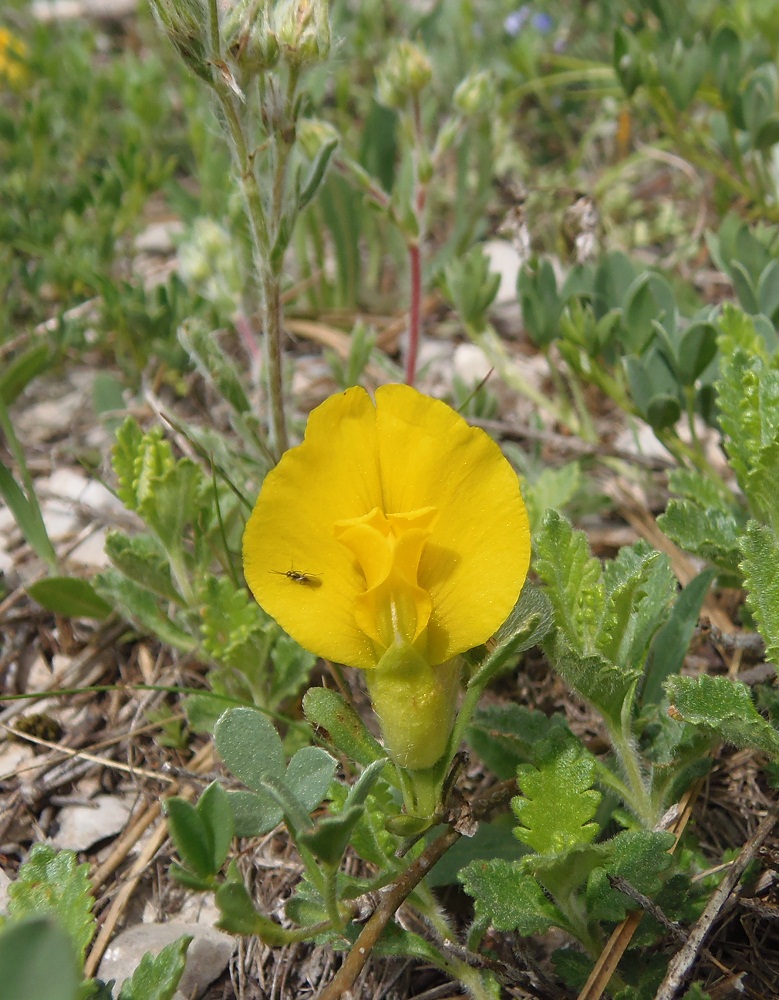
207, 956
81, 826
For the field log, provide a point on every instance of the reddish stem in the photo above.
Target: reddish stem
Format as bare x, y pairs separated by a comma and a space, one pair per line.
414, 312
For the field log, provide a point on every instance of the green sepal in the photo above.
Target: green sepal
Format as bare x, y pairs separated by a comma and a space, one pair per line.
340, 725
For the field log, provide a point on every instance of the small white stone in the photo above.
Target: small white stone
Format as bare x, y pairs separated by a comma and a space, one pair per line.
471, 364
207, 956
5, 881
91, 552
506, 261
81, 826
68, 484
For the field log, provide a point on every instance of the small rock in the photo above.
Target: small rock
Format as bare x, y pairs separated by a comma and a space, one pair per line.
506, 261
5, 881
81, 826
91, 552
471, 364
207, 956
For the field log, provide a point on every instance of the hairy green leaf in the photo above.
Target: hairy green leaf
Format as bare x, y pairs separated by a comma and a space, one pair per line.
509, 897
639, 857
761, 562
52, 883
711, 533
142, 559
726, 708
157, 976
250, 747
557, 802
504, 735
341, 726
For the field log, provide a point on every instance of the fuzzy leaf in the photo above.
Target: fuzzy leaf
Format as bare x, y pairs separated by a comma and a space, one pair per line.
330, 712
557, 801
504, 735
552, 490
157, 976
254, 813
309, 775
639, 857
141, 606
574, 581
710, 533
52, 883
529, 622
509, 897
250, 747
37, 961
724, 706
761, 558
142, 559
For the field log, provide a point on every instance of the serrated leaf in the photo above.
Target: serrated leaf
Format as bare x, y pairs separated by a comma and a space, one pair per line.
157, 976
574, 581
509, 897
604, 684
552, 489
141, 606
640, 587
557, 802
142, 559
70, 596
396, 940
761, 559
504, 735
710, 533
704, 490
724, 706
52, 883
172, 500
762, 485
250, 747
37, 961
637, 856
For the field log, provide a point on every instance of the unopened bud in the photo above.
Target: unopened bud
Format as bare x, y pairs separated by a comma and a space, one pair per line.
302, 28
184, 22
249, 37
406, 71
476, 94
313, 135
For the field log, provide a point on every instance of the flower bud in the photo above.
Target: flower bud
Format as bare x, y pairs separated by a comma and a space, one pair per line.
249, 37
406, 71
302, 28
313, 135
184, 22
13, 51
476, 94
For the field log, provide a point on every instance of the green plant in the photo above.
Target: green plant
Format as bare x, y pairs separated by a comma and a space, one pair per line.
49, 926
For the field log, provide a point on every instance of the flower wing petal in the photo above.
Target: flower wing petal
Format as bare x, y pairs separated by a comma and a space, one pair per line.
294, 565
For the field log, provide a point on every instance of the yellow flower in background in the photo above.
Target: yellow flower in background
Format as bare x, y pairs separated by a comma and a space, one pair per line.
12, 54
393, 538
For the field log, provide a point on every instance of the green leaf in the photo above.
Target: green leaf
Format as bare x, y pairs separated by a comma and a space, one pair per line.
504, 735
672, 641
69, 596
142, 607
18, 374
213, 808
340, 725
529, 622
52, 883
250, 747
157, 976
329, 838
27, 515
552, 489
637, 856
557, 801
254, 813
724, 706
574, 581
710, 533
37, 961
190, 836
309, 775
142, 559
509, 897
317, 172
761, 559
695, 351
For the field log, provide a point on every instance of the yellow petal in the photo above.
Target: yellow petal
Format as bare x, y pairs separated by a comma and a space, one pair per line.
332, 476
478, 553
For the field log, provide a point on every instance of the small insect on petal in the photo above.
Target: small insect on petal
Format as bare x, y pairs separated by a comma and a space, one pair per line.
306, 579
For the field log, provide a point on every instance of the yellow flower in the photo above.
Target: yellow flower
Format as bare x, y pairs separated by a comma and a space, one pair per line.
12, 53
393, 538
